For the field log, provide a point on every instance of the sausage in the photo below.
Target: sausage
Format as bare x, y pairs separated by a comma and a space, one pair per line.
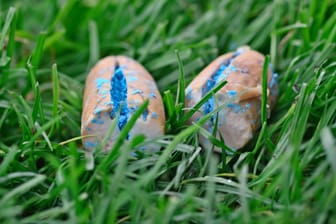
114, 89
241, 96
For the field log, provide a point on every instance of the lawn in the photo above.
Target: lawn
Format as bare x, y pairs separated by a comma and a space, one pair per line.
287, 174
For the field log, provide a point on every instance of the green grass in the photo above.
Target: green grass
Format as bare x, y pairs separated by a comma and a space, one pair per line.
286, 175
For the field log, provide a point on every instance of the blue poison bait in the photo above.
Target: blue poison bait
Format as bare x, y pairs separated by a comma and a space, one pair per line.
118, 94
240, 98
115, 89
217, 77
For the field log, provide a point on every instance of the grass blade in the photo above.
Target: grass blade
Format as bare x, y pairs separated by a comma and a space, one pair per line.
37, 108
264, 97
329, 145
180, 99
94, 43
6, 26
205, 98
56, 98
18, 191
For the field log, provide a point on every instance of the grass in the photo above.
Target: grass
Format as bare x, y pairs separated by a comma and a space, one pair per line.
286, 175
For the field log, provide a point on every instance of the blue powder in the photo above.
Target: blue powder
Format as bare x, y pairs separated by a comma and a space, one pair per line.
136, 101
248, 106
210, 83
90, 144
218, 76
145, 114
99, 85
98, 110
222, 71
155, 115
97, 121
103, 92
133, 109
232, 93
118, 94
132, 79
100, 82
189, 93
237, 53
209, 105
233, 68
136, 91
274, 80
236, 108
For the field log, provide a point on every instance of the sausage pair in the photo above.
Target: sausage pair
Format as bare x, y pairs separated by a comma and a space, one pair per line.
118, 85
